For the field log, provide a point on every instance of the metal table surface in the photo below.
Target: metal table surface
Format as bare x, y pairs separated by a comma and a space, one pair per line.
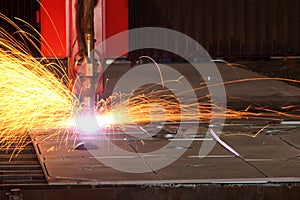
272, 156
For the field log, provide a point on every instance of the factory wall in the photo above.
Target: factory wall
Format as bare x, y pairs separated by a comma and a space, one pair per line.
225, 28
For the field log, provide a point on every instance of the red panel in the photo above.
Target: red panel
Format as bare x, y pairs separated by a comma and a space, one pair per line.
53, 28
116, 21
54, 20
54, 32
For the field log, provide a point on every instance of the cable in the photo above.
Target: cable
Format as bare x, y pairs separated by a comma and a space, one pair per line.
79, 16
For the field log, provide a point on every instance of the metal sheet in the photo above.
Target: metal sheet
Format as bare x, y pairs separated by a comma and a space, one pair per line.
265, 159
270, 156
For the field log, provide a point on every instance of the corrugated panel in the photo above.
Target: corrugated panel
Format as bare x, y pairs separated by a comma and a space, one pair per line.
227, 28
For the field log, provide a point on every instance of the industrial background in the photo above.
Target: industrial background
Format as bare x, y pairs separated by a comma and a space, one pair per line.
260, 35
225, 28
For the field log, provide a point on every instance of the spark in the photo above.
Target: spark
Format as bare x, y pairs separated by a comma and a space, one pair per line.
158, 68
33, 99
156, 105
249, 135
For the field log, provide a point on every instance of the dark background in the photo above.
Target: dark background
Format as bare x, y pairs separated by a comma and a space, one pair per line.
233, 30
227, 28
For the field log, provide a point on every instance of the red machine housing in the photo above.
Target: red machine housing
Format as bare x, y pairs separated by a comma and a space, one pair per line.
59, 29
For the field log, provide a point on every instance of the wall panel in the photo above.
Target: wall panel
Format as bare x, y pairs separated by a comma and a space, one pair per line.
227, 28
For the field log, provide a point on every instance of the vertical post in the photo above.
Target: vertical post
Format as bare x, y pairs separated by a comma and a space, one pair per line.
89, 73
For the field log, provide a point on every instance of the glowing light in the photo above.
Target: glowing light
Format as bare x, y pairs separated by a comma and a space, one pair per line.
106, 120
91, 123
86, 124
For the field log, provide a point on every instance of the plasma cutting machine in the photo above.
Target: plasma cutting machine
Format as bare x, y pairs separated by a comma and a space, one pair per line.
73, 30
88, 69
